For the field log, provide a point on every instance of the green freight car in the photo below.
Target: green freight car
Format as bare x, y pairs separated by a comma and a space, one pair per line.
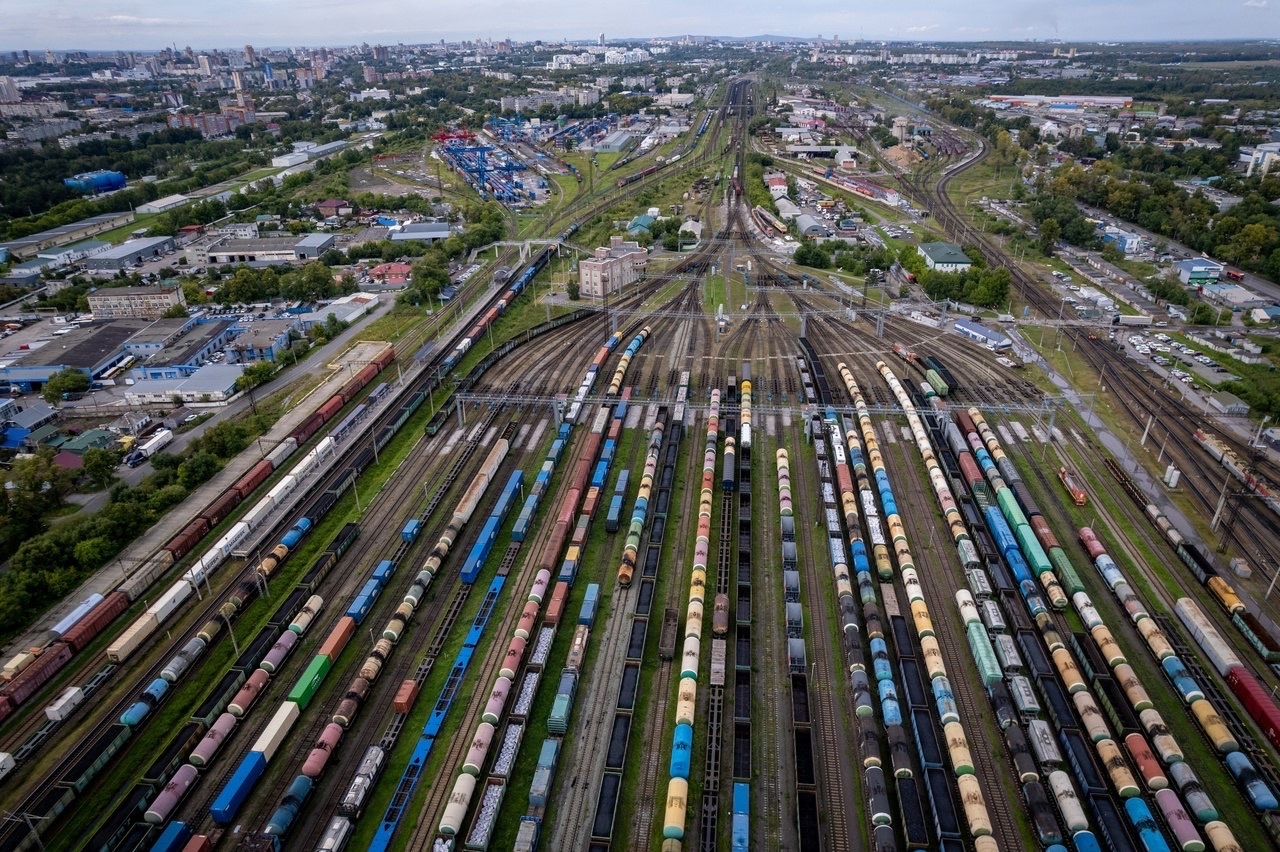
936, 382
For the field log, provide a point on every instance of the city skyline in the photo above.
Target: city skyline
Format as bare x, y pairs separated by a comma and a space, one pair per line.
151, 24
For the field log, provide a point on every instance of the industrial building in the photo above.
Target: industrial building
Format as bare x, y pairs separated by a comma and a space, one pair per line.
265, 340
29, 246
613, 267
212, 383
312, 246
96, 182
129, 254
184, 354
162, 205
944, 257
346, 309
986, 336
93, 350
261, 251
1198, 271
810, 227
143, 302
1228, 403
426, 232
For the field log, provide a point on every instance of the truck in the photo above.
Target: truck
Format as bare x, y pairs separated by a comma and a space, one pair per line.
1131, 319
153, 445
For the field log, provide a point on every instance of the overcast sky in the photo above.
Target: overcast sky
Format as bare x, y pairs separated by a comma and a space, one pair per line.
151, 24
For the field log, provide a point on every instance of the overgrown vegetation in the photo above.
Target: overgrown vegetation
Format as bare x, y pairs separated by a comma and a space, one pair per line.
50, 560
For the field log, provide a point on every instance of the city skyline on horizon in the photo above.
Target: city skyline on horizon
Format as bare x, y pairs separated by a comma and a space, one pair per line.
149, 25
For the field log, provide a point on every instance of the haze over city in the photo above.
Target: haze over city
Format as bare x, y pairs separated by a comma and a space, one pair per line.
143, 24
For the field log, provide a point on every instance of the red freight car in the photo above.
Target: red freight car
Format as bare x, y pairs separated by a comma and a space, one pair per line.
405, 696
308, 428
385, 357
220, 508
184, 542
86, 629
330, 408
257, 475
38, 673
1257, 701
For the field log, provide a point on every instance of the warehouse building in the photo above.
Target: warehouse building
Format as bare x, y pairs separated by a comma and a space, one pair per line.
312, 246
426, 232
262, 251
145, 302
944, 257
990, 338
1198, 271
184, 355
810, 227
94, 350
1228, 403
163, 205
212, 383
347, 309
28, 247
129, 254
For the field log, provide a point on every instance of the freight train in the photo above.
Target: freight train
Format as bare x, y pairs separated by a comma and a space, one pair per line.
467, 788
29, 670
489, 317
1259, 636
677, 798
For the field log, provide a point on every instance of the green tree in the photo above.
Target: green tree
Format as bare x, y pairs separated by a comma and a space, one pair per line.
197, 470
255, 374
807, 254
94, 552
1050, 233
100, 466
175, 312
68, 380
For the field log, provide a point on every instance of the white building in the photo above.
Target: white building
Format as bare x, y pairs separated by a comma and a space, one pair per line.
615, 266
162, 205
944, 257
1260, 158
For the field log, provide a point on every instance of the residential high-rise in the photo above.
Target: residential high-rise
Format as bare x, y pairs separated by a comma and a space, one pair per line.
250, 57
9, 92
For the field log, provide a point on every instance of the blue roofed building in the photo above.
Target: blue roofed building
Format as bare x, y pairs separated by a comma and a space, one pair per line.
986, 336
640, 225
1198, 271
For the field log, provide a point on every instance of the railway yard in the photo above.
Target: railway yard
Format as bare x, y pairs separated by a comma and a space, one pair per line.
814, 579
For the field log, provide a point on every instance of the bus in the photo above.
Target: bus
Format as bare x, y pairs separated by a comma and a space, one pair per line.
1234, 274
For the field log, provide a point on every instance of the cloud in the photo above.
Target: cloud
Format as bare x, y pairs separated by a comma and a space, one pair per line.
1256, 4
143, 22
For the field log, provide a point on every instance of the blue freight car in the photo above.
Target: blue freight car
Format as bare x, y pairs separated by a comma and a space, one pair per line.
174, 838
614, 515
236, 790
740, 835
411, 530
590, 602
383, 572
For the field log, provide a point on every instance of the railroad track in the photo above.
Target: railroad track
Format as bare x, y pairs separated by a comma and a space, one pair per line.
592, 723
673, 566
975, 711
